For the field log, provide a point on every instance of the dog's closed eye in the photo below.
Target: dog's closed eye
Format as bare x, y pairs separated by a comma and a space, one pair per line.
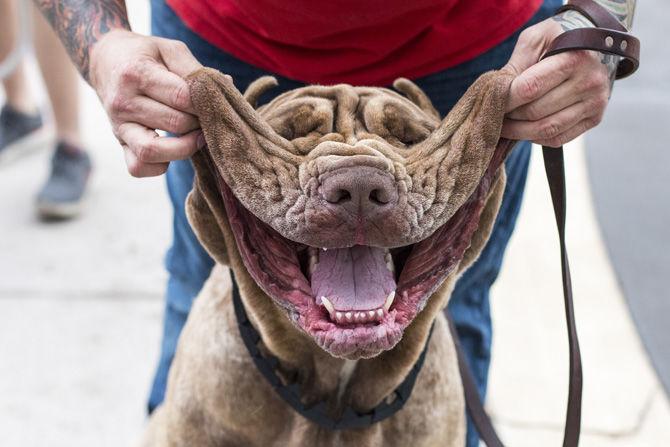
398, 125
300, 119
406, 131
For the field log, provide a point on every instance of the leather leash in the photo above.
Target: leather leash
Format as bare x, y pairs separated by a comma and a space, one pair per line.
609, 37
554, 167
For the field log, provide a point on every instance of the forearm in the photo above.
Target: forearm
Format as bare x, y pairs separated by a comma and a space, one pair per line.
81, 23
623, 10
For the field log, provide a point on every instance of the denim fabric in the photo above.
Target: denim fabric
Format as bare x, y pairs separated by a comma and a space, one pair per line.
189, 265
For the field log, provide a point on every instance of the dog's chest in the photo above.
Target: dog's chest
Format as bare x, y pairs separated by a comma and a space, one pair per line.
242, 408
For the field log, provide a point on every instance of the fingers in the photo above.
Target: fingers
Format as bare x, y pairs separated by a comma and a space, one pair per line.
564, 95
170, 87
569, 135
140, 81
148, 154
139, 169
547, 128
541, 78
588, 83
177, 57
166, 87
155, 115
148, 94
558, 98
531, 44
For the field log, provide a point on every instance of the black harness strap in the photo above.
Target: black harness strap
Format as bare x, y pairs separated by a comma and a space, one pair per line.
318, 413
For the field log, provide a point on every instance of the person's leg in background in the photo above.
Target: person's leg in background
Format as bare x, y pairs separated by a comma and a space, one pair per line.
188, 264
20, 122
62, 194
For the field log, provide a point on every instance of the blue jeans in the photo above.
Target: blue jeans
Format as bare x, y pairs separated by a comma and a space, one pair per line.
189, 265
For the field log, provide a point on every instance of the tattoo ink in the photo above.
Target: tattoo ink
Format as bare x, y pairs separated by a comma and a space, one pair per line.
81, 23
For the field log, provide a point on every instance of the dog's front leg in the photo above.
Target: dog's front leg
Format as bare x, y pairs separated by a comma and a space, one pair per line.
169, 428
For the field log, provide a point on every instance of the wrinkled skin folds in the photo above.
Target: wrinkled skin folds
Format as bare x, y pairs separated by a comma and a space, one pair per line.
350, 205
346, 214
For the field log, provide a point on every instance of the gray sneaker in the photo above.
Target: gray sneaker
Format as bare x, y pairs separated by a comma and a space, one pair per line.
61, 197
20, 134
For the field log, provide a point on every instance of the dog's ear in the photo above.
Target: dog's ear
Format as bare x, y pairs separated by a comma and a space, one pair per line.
242, 145
256, 162
454, 157
414, 93
257, 88
205, 210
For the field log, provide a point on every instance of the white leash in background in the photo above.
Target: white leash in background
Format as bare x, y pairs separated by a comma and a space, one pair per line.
23, 40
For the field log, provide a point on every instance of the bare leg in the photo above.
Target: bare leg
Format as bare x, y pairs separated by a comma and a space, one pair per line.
61, 80
62, 194
16, 87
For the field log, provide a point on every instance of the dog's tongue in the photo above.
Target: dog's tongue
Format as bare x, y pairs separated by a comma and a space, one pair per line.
355, 278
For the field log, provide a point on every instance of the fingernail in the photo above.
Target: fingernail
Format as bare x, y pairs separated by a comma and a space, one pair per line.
200, 142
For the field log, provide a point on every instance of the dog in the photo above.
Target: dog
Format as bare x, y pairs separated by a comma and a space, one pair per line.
345, 214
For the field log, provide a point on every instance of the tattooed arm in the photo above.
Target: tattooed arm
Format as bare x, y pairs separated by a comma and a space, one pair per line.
623, 10
80, 24
559, 98
139, 80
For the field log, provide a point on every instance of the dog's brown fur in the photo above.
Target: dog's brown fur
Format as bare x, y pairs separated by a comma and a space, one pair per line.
215, 395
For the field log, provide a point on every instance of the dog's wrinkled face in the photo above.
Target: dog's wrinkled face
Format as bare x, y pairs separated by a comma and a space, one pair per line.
351, 205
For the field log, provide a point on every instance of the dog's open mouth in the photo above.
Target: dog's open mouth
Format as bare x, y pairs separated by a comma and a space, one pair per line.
356, 301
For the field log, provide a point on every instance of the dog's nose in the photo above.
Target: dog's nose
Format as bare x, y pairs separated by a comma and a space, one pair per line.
360, 190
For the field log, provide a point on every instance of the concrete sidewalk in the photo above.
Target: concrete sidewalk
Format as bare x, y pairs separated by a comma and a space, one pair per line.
81, 305
624, 404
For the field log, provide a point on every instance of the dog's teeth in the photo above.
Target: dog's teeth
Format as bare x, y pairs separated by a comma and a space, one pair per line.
360, 316
389, 262
338, 316
324, 249
348, 316
371, 314
380, 314
389, 301
328, 305
313, 259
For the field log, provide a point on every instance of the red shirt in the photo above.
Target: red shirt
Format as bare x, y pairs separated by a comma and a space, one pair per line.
355, 41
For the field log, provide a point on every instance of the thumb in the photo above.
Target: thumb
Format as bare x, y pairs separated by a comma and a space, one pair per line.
525, 55
528, 50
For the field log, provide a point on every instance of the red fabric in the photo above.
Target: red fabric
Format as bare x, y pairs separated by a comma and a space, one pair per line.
361, 42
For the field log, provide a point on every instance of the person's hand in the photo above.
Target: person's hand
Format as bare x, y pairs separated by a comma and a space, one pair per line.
140, 81
553, 101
